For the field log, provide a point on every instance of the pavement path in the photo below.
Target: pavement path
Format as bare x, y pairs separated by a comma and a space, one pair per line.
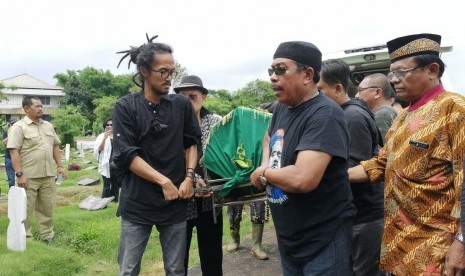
241, 262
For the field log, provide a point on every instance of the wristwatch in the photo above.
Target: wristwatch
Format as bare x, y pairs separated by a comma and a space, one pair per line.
19, 174
459, 237
263, 178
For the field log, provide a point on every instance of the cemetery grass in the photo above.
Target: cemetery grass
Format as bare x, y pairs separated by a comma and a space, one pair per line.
86, 242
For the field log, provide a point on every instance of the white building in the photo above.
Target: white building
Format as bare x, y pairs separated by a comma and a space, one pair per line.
16, 88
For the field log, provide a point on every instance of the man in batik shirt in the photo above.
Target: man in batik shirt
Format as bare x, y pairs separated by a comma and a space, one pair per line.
421, 164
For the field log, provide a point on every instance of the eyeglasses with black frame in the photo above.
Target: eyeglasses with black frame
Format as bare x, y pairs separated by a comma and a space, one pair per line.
109, 125
164, 73
361, 89
279, 71
401, 73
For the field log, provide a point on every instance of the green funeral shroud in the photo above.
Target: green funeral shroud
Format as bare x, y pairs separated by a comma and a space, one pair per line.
234, 149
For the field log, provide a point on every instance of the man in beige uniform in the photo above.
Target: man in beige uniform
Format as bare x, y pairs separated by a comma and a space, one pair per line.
34, 146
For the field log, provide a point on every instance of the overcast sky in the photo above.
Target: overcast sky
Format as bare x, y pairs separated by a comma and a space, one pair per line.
226, 43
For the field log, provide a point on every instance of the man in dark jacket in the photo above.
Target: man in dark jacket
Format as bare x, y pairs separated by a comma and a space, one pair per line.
364, 143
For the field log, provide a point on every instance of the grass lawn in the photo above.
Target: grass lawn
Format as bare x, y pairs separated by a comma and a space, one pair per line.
85, 242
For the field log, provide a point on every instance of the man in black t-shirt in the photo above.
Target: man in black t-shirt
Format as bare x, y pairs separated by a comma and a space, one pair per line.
365, 142
305, 155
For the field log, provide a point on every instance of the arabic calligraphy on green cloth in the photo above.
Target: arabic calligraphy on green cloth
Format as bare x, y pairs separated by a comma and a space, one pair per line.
234, 149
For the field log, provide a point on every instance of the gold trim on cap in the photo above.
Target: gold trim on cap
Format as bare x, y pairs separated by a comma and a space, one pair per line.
418, 45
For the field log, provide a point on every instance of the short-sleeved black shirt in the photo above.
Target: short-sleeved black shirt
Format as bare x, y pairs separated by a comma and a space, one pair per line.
306, 222
142, 201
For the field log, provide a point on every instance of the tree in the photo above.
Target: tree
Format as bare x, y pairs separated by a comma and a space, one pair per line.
2, 86
82, 87
219, 102
1, 91
253, 94
182, 72
69, 123
103, 111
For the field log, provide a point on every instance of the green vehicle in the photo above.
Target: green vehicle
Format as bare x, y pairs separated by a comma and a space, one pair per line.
374, 59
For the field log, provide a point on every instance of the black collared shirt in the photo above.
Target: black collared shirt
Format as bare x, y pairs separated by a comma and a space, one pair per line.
134, 135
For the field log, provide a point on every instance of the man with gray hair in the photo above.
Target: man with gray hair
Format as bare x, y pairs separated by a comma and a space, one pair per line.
376, 91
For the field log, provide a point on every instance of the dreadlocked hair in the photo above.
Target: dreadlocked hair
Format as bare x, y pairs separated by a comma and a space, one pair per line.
143, 57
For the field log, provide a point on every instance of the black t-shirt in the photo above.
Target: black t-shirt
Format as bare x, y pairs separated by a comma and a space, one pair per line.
306, 222
134, 134
364, 144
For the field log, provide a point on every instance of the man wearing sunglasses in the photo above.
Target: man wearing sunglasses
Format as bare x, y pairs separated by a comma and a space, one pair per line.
421, 164
376, 91
308, 193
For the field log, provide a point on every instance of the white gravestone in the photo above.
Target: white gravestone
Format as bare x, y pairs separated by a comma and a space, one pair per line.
67, 151
17, 210
81, 152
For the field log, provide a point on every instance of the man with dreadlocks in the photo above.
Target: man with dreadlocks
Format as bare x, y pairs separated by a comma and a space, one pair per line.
155, 143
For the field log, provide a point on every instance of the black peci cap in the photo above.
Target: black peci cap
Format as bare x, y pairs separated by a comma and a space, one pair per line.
413, 45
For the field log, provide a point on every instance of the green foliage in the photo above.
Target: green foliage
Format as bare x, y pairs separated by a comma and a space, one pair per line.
253, 94
2, 95
41, 260
86, 241
219, 102
3, 129
83, 86
103, 110
69, 122
2, 86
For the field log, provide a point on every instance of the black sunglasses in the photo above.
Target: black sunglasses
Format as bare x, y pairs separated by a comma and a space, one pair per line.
279, 71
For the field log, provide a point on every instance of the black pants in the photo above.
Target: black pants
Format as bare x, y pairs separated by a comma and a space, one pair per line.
210, 242
110, 189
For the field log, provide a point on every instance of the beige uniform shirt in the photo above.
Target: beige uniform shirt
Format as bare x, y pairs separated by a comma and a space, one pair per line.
35, 145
